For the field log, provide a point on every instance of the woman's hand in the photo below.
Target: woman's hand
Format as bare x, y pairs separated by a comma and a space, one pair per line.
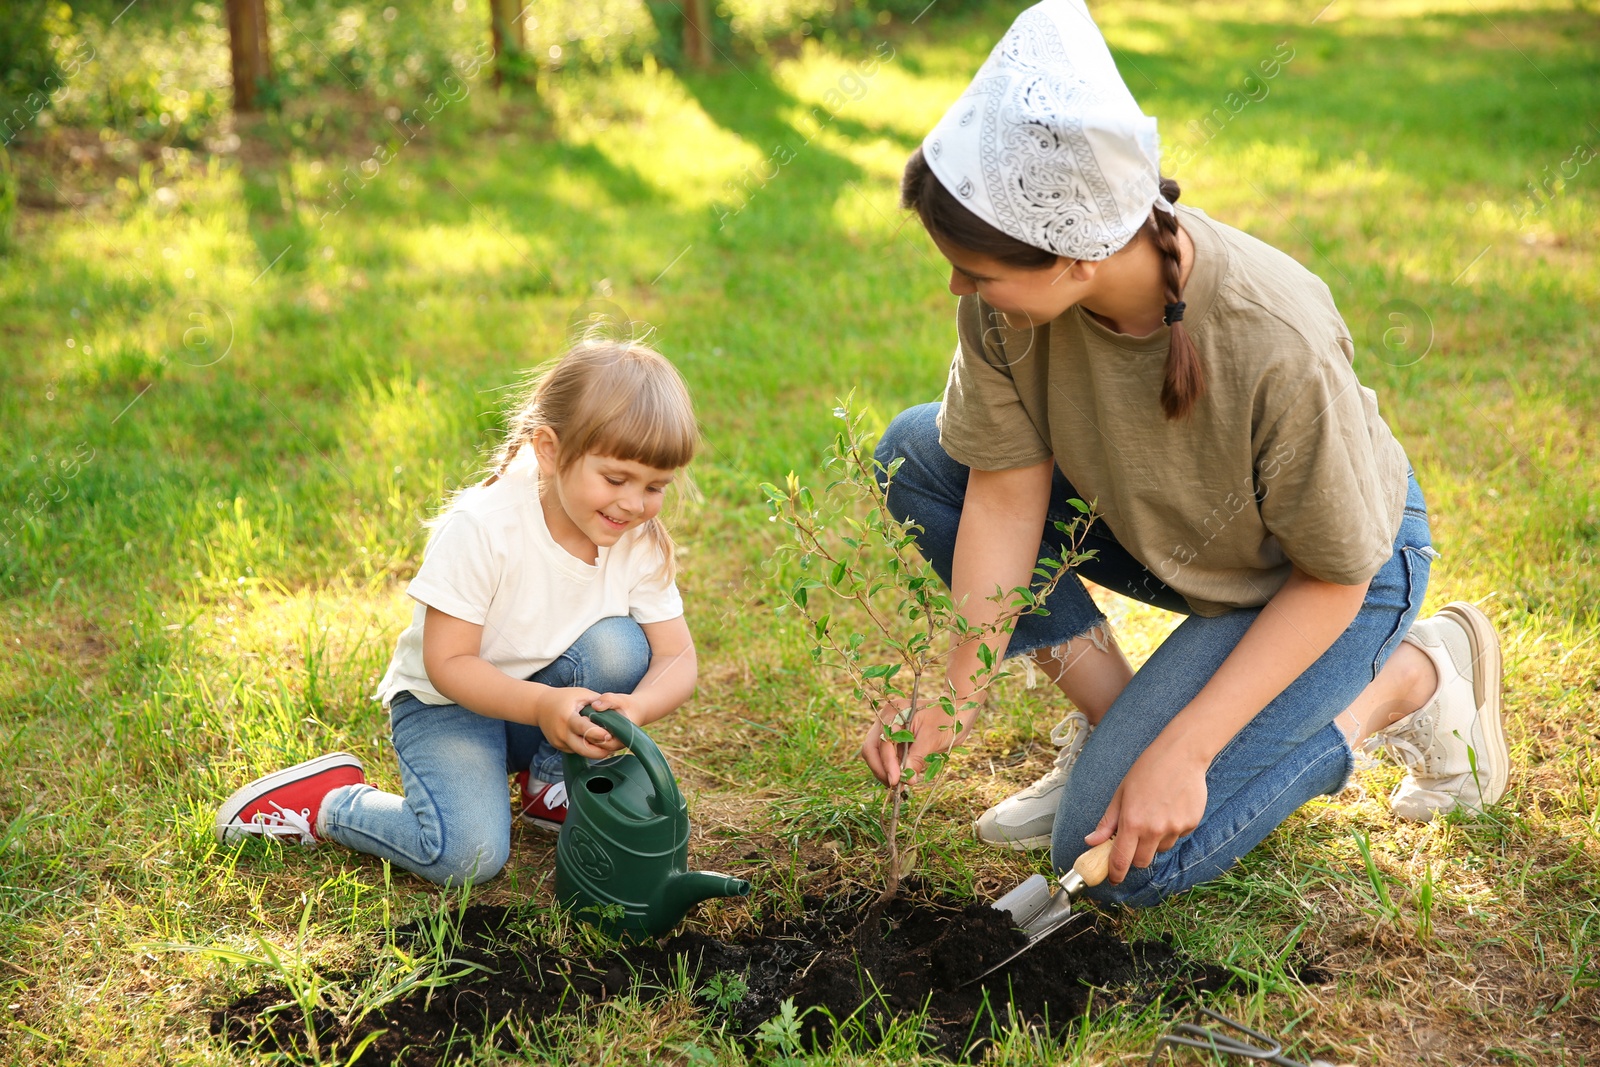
555, 713
934, 730
1161, 799
1163, 796
997, 548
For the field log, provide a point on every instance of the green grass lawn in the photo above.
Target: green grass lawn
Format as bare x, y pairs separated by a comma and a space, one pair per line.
230, 400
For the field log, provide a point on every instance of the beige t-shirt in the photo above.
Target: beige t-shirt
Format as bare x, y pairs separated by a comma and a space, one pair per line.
1283, 459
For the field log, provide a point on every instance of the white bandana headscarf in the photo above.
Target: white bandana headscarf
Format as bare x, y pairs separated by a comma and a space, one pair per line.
1047, 144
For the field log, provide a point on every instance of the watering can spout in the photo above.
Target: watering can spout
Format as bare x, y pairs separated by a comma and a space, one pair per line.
684, 891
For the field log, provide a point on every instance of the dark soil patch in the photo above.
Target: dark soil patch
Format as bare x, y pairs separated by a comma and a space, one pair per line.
847, 957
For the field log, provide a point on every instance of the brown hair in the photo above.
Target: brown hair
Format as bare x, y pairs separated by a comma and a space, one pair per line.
621, 399
948, 219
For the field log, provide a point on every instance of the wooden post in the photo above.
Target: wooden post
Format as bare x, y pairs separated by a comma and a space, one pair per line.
510, 36
251, 49
696, 33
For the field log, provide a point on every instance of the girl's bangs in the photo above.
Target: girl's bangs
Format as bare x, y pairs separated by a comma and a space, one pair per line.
652, 426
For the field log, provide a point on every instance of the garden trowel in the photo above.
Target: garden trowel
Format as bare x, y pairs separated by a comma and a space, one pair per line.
1040, 908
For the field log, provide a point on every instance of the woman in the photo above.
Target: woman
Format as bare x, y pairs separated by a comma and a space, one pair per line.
1196, 385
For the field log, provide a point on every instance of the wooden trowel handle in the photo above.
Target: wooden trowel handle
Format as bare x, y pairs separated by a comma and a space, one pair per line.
1093, 865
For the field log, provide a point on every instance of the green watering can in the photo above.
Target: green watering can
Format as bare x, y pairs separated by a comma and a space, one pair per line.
626, 839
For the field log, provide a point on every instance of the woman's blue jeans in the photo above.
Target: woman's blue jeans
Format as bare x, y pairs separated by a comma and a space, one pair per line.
1290, 752
454, 823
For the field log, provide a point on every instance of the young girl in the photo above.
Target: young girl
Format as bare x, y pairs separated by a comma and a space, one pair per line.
1196, 384
545, 589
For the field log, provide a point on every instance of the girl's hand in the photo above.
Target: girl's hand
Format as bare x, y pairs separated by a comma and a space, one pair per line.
1161, 799
933, 729
556, 715
627, 704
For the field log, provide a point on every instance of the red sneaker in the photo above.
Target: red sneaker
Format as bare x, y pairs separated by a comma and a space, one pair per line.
285, 805
544, 804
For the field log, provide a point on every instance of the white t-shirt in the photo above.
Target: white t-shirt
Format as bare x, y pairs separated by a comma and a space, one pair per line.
492, 561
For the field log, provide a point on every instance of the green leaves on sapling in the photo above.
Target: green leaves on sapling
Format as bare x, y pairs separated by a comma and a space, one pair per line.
893, 642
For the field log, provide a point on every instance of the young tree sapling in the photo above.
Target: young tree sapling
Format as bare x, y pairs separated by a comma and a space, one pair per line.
876, 611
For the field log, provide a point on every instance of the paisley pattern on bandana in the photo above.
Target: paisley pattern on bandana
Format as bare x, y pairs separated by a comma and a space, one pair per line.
1049, 184
1061, 156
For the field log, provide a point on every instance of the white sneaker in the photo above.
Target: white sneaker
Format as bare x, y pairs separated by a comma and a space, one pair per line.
1454, 746
1024, 821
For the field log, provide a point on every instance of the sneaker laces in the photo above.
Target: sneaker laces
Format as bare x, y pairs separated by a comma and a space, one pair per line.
286, 823
1068, 736
1404, 750
1070, 732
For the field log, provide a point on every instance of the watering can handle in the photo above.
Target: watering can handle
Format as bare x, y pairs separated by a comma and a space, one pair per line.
618, 725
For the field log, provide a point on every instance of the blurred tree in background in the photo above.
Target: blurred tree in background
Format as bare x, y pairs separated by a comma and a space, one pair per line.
250, 44
8, 201
104, 91
30, 73
161, 70
30, 76
509, 30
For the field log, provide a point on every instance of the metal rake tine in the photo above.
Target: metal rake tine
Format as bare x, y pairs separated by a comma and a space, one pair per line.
1211, 1041
1222, 1042
1277, 1046
1226, 1046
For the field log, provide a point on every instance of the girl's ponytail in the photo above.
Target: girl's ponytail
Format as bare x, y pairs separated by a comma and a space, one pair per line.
523, 422
1185, 378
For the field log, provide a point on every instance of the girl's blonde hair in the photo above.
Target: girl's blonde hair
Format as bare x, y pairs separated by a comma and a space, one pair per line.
621, 399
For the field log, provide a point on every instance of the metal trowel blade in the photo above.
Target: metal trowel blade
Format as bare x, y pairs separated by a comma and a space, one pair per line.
1038, 909
1037, 906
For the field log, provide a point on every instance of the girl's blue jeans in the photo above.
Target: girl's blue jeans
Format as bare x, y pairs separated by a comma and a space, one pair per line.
1290, 752
453, 825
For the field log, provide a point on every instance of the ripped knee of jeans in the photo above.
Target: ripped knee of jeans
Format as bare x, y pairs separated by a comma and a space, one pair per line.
1058, 659
1100, 635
